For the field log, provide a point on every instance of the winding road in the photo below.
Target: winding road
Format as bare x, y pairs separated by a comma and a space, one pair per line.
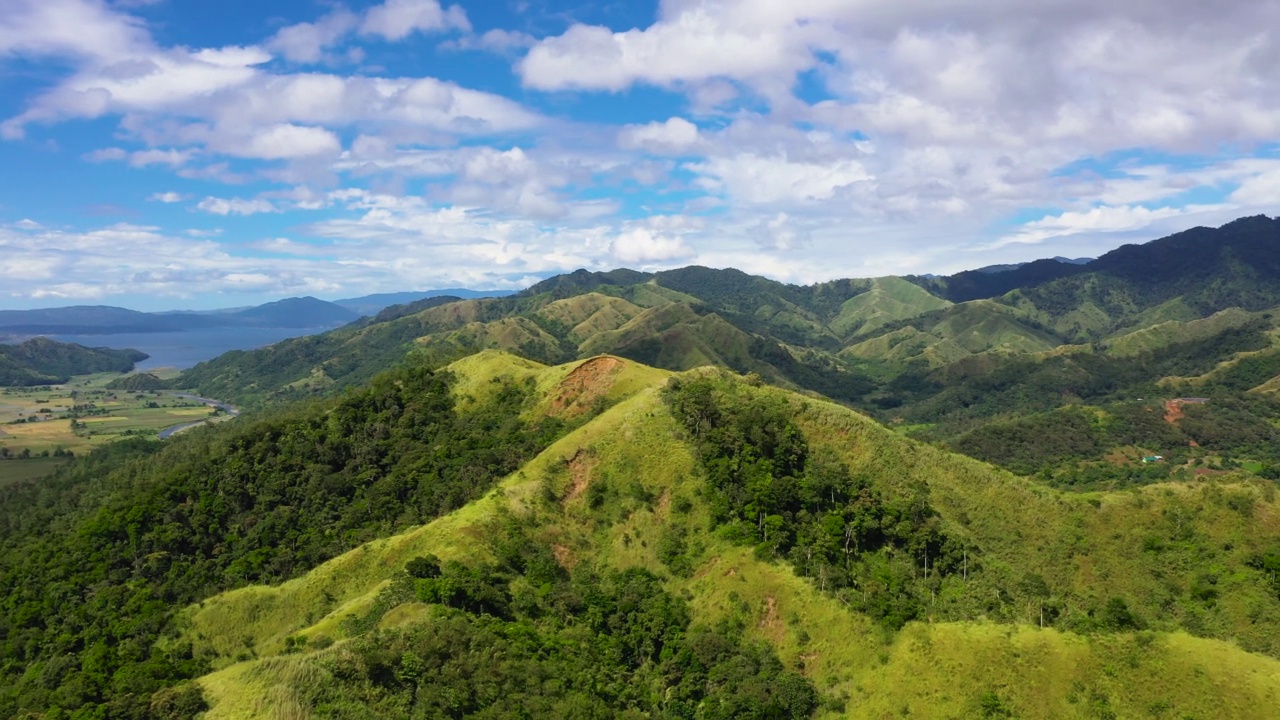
225, 407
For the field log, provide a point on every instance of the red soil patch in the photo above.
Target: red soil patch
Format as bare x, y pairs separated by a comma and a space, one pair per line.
579, 475
588, 382
1173, 411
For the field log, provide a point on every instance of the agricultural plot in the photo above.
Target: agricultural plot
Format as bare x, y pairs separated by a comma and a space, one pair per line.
50, 422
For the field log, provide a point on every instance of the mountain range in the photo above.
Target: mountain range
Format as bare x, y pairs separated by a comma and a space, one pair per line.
1045, 491
301, 312
839, 338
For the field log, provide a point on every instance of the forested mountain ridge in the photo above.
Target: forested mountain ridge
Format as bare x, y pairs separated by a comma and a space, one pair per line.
1120, 334
715, 547
41, 361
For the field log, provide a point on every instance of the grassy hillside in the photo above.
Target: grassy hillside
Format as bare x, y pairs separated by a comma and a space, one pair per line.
890, 299
1183, 627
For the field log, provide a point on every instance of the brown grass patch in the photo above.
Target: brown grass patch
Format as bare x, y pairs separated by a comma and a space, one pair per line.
770, 623
564, 556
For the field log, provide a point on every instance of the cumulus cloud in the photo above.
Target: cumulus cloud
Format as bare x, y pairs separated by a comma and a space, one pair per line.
497, 40
306, 42
125, 258
173, 158
1099, 219
675, 136
643, 247
817, 139
755, 179
697, 44
235, 206
167, 198
393, 20
76, 28
106, 154
780, 232
397, 19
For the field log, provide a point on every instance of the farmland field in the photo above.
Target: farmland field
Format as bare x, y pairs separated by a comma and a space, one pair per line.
46, 423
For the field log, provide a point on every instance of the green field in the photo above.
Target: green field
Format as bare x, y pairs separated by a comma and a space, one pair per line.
38, 421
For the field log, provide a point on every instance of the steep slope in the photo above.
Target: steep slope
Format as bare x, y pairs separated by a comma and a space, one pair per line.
626, 491
953, 332
584, 316
1204, 270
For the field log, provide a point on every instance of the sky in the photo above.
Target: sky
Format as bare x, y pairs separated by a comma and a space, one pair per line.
161, 154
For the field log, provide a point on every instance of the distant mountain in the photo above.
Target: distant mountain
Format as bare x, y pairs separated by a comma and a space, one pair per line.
1015, 266
830, 337
41, 361
98, 319
305, 312
372, 304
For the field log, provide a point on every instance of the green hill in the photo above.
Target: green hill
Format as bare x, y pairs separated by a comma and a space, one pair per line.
890, 299
41, 361
467, 538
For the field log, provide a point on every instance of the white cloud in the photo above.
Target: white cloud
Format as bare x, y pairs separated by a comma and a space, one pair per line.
79, 28
1261, 190
781, 232
167, 198
755, 179
306, 42
675, 136
497, 40
696, 45
236, 206
642, 247
173, 158
1096, 220
106, 154
288, 141
936, 121
397, 19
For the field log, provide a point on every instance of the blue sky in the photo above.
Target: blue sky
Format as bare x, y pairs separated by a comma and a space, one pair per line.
179, 153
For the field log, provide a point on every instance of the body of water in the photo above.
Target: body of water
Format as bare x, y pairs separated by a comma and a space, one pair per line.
186, 348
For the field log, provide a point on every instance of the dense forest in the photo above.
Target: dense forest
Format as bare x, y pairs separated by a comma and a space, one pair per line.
98, 558
523, 637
